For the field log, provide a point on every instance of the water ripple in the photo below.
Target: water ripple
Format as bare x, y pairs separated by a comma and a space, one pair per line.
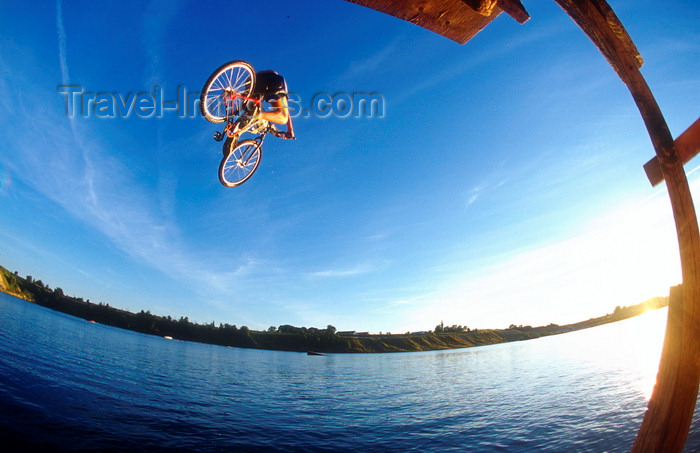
85, 387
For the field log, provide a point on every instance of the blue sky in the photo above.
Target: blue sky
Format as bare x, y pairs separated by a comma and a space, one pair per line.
503, 184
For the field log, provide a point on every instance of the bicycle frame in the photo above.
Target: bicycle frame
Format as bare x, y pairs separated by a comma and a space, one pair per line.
235, 128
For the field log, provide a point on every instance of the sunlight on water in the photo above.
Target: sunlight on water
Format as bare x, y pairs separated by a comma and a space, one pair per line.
654, 324
632, 348
70, 382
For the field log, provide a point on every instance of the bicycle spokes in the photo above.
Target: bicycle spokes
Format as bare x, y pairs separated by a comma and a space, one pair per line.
240, 163
226, 90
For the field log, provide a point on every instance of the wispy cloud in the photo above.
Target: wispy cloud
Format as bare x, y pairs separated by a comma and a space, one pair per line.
360, 269
65, 77
155, 27
102, 192
496, 179
380, 236
474, 194
373, 63
76, 164
479, 58
414, 300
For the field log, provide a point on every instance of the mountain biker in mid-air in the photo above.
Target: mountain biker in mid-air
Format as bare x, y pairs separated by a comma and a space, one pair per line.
272, 89
248, 102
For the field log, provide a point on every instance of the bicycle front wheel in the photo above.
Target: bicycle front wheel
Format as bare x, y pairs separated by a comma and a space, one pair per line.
226, 90
240, 163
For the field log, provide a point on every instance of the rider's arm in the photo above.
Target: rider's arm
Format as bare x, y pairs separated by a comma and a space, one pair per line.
279, 113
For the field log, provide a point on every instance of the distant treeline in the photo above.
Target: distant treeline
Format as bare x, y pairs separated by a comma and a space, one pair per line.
291, 338
283, 338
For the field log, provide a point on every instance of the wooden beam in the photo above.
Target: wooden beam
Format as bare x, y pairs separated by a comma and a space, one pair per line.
687, 146
599, 22
515, 9
671, 406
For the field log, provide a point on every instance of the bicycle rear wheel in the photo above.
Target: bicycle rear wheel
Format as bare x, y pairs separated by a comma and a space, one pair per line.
226, 90
240, 163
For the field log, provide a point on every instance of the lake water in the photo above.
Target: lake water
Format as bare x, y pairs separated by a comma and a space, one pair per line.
67, 384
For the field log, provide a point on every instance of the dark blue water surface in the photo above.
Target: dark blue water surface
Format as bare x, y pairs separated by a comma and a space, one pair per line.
67, 385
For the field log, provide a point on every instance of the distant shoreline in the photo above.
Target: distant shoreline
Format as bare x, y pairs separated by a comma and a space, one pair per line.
290, 338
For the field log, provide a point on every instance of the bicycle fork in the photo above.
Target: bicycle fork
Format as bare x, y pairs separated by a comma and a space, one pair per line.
244, 160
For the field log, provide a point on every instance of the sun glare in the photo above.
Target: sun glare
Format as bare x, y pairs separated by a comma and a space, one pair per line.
652, 326
622, 257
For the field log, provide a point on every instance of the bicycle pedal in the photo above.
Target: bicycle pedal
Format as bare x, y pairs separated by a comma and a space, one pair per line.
218, 136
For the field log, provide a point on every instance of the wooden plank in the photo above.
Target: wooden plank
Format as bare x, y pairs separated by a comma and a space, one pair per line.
453, 19
687, 146
514, 8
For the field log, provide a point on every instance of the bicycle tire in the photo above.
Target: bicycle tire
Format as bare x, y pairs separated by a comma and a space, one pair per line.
238, 76
240, 162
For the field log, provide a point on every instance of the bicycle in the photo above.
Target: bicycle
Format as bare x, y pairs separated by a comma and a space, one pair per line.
227, 97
